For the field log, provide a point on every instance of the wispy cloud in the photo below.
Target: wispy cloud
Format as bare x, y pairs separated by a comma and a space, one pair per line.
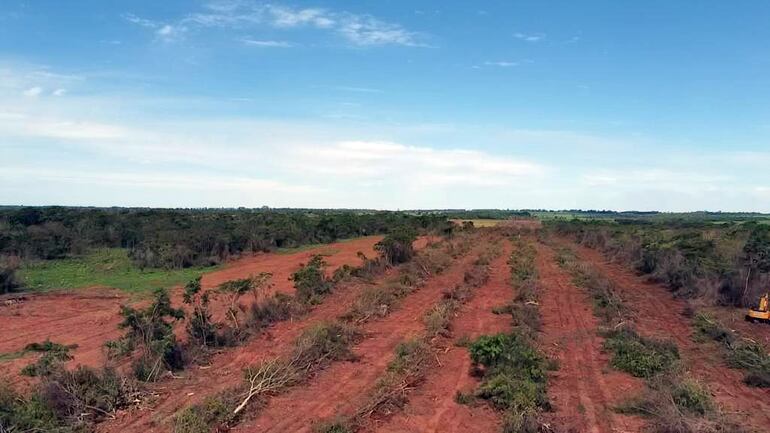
358, 29
267, 43
389, 162
502, 64
529, 37
163, 31
33, 91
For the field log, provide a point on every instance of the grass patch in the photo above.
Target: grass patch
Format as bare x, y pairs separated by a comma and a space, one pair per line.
109, 267
639, 356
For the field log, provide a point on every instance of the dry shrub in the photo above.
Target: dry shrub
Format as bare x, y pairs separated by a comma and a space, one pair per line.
679, 405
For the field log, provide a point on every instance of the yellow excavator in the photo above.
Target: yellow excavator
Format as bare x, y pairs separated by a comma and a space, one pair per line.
762, 311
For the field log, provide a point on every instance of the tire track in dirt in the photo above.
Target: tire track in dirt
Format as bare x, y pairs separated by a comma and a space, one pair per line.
337, 388
658, 313
583, 389
432, 406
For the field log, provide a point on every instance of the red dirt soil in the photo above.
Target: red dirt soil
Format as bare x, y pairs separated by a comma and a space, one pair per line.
583, 389
657, 313
224, 370
90, 317
337, 389
432, 406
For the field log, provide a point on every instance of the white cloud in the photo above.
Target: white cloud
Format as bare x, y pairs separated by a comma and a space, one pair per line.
163, 31
33, 91
397, 163
532, 37
502, 64
358, 29
267, 43
59, 92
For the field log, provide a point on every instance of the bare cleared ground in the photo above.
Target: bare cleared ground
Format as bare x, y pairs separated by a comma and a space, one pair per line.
432, 406
90, 317
337, 389
584, 388
659, 314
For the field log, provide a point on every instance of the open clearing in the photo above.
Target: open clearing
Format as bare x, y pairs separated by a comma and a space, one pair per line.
447, 312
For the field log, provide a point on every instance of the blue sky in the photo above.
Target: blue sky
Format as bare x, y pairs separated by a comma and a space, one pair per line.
386, 104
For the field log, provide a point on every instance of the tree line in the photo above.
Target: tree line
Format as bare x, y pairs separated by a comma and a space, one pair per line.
178, 238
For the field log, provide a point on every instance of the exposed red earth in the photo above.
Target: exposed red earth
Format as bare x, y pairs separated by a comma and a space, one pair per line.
584, 388
659, 314
340, 387
432, 406
90, 317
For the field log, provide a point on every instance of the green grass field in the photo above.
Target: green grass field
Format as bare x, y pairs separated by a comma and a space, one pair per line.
109, 267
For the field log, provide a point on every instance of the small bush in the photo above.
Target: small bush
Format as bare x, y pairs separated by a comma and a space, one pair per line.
277, 308
514, 373
65, 401
397, 247
9, 282
311, 281
712, 329
152, 332
640, 356
215, 412
53, 357
527, 316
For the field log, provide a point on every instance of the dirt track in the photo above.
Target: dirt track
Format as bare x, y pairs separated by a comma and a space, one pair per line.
657, 313
584, 388
432, 406
88, 318
338, 388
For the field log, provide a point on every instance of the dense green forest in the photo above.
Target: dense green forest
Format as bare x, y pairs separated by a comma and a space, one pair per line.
180, 238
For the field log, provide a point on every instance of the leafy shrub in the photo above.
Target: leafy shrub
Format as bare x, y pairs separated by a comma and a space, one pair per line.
274, 309
53, 357
151, 331
640, 356
8, 280
214, 412
514, 373
65, 401
311, 281
397, 247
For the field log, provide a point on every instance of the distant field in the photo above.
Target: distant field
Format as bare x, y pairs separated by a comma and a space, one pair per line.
110, 267
480, 222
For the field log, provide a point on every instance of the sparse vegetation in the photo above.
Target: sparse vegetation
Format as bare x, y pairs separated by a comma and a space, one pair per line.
725, 263
739, 352
311, 281
640, 356
678, 404
514, 379
65, 401
150, 330
53, 357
